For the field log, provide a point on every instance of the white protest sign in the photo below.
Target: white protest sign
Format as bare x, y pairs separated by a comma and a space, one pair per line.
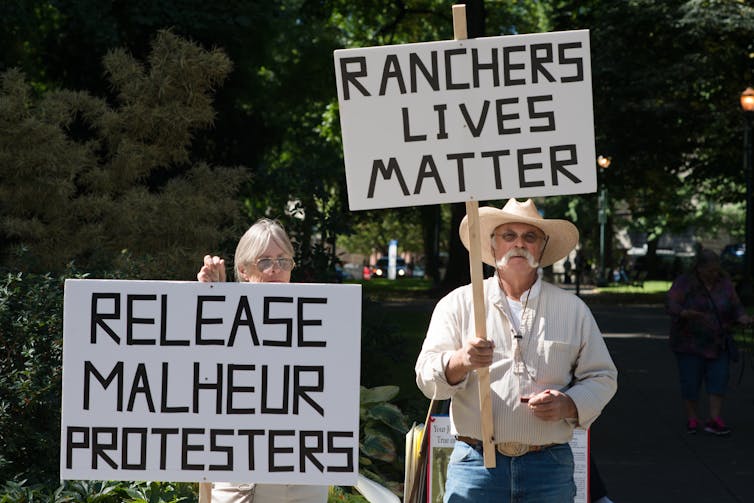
441, 442
189, 381
459, 120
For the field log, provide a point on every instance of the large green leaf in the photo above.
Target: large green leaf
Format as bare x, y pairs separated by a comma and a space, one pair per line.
378, 394
379, 446
390, 415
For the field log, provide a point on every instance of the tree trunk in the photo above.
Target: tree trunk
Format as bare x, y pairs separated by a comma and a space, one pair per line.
430, 216
457, 273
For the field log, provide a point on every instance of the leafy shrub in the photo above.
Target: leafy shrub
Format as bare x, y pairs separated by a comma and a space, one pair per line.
31, 328
97, 491
382, 437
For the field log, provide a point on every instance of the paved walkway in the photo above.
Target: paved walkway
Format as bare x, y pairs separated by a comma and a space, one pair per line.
640, 443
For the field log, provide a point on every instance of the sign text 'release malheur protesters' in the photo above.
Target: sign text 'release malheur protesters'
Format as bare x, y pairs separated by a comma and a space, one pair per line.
478, 119
232, 382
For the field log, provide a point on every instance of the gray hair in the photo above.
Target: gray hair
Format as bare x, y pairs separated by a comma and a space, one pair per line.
256, 240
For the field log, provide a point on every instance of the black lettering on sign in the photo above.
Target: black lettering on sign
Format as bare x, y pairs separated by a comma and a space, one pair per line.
476, 129
283, 409
140, 385
431, 76
227, 449
351, 77
540, 54
459, 164
163, 433
392, 70
273, 449
558, 165
549, 116
243, 317
347, 452
302, 392
71, 442
232, 389
509, 67
124, 441
302, 342
578, 63
496, 155
288, 322
99, 447
115, 374
131, 320
164, 407
217, 386
449, 84
493, 66
201, 321
378, 166
502, 118
98, 318
186, 448
309, 452
407, 136
251, 434
442, 132
428, 169
523, 167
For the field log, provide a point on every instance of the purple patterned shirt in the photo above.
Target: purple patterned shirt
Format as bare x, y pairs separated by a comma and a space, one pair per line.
702, 335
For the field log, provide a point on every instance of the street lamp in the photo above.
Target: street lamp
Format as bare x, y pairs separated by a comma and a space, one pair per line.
604, 163
747, 105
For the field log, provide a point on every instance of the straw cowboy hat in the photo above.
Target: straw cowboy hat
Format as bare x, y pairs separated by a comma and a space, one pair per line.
563, 234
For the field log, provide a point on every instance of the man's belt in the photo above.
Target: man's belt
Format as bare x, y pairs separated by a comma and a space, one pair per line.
510, 449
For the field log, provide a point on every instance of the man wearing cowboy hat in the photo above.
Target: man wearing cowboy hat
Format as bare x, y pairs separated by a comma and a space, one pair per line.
550, 370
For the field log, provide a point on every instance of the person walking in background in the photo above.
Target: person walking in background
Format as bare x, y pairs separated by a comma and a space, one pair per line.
264, 255
550, 370
703, 308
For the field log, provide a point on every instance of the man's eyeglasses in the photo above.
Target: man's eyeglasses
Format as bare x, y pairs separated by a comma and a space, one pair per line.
510, 236
284, 263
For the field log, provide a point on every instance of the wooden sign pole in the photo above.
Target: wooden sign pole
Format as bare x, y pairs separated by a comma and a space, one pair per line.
205, 492
477, 288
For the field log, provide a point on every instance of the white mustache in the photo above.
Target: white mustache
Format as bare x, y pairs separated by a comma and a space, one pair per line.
518, 252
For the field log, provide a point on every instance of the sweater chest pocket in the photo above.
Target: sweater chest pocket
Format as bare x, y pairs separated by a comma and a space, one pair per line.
555, 361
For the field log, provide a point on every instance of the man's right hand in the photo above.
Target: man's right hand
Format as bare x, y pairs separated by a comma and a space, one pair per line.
213, 270
475, 353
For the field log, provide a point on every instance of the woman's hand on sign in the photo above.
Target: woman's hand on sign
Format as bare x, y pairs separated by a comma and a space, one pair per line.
213, 270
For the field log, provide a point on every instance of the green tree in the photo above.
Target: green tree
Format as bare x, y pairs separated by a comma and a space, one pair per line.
666, 110
116, 186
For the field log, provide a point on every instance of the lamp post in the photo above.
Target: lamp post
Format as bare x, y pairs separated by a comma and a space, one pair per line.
747, 105
604, 163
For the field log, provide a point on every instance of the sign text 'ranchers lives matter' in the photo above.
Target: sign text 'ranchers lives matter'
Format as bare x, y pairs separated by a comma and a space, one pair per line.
478, 119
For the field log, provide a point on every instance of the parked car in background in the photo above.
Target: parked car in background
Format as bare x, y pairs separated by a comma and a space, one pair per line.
732, 260
379, 270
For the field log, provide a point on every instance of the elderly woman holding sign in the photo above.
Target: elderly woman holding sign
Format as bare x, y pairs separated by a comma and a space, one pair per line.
264, 255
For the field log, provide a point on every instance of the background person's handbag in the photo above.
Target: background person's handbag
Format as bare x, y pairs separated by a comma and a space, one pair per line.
729, 343
732, 348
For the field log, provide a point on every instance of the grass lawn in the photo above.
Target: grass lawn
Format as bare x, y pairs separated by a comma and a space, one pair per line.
652, 292
404, 308
386, 289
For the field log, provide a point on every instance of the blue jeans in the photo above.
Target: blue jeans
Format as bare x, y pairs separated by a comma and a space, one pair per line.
693, 369
537, 477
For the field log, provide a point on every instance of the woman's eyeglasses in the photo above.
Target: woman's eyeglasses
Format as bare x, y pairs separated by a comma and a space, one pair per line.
284, 263
510, 236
